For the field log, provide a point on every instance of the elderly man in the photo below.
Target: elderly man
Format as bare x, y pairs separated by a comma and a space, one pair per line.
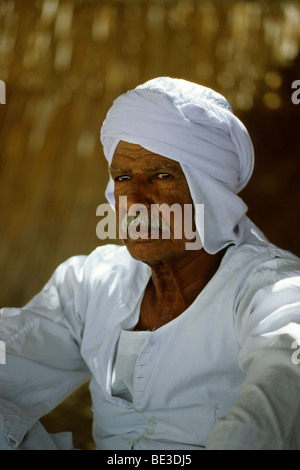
187, 346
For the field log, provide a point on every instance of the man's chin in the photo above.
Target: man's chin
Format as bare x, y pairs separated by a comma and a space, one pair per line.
149, 249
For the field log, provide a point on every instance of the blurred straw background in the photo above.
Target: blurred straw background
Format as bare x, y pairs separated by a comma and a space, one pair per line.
65, 61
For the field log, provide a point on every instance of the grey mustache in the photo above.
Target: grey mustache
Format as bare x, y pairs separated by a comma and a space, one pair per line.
144, 220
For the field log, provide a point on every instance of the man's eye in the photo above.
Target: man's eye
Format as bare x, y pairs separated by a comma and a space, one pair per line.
122, 178
163, 175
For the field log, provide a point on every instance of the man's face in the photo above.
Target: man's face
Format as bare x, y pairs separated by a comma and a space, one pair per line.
145, 179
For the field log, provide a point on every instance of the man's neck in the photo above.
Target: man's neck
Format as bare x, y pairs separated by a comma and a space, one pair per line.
174, 286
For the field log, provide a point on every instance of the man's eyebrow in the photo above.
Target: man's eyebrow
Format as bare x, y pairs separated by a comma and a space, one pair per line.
111, 169
161, 166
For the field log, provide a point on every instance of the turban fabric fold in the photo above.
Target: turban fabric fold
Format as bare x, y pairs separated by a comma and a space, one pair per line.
195, 126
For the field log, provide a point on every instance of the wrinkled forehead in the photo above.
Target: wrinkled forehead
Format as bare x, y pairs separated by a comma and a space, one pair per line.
135, 156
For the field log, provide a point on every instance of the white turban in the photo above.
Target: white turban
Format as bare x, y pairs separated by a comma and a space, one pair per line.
195, 126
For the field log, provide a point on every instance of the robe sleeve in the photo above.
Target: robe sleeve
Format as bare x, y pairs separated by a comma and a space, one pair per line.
42, 364
267, 415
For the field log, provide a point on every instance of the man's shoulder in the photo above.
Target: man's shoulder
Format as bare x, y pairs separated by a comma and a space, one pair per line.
102, 260
105, 264
262, 266
111, 255
109, 251
264, 253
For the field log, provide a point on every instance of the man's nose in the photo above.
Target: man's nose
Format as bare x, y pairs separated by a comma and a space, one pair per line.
139, 193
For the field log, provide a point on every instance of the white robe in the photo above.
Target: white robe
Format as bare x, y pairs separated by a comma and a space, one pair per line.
219, 376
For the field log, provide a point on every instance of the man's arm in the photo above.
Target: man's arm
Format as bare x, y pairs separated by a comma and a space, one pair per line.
267, 416
43, 364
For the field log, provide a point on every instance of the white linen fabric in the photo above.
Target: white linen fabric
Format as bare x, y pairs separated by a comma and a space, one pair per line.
195, 126
130, 345
219, 376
